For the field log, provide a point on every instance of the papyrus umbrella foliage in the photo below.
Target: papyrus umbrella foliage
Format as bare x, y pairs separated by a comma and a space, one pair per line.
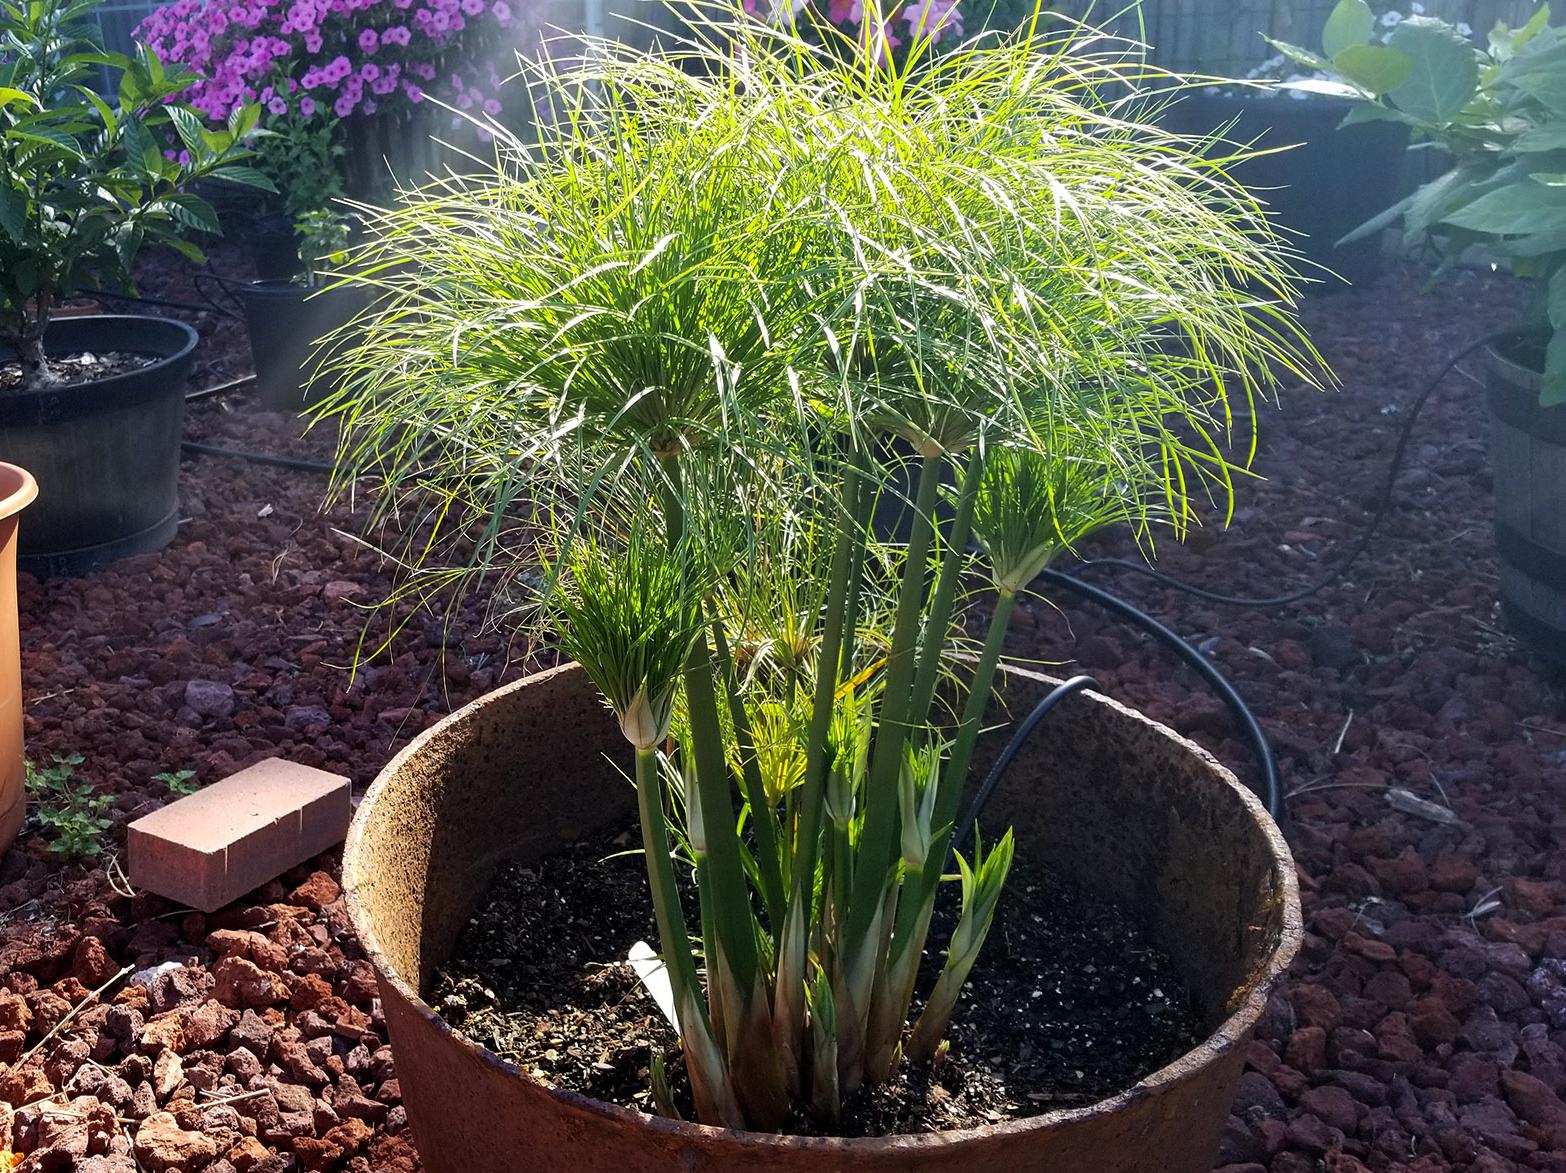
666, 370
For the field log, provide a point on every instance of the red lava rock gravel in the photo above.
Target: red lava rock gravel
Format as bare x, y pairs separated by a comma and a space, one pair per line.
1424, 1028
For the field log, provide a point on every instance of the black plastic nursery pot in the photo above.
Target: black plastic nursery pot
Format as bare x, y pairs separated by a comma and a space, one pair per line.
106, 452
1332, 180
1528, 459
286, 321
1121, 806
274, 248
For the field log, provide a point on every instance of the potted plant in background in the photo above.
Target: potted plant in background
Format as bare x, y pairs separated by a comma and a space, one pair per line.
1500, 114
346, 83
301, 157
1322, 169
93, 406
286, 319
655, 371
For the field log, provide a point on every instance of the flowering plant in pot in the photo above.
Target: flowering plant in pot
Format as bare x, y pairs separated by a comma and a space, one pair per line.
347, 76
657, 370
85, 185
1498, 112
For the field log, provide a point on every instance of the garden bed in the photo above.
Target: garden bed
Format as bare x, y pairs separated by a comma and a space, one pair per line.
1424, 756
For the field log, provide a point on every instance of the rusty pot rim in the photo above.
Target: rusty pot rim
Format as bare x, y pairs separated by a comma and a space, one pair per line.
18, 489
1225, 1037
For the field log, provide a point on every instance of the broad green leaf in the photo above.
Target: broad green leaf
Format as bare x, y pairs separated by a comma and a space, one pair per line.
63, 144
1326, 88
242, 120
1519, 209
1377, 68
1547, 86
188, 249
1549, 137
1552, 392
115, 61
1505, 41
105, 111
187, 124
188, 211
13, 213
1350, 24
9, 97
1371, 112
1540, 244
1555, 299
246, 176
1301, 56
1445, 72
132, 91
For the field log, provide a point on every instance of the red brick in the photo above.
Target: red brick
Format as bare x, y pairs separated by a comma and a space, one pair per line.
212, 847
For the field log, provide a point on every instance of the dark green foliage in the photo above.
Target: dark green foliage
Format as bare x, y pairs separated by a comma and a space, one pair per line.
85, 181
69, 814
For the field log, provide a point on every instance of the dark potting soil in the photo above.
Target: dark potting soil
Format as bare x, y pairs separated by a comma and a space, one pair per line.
82, 367
1069, 1002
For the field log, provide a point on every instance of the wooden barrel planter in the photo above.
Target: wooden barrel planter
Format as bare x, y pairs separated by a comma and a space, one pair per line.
1528, 456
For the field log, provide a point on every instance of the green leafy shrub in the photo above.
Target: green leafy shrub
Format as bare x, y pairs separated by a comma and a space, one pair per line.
301, 159
69, 814
660, 369
1500, 112
86, 181
178, 782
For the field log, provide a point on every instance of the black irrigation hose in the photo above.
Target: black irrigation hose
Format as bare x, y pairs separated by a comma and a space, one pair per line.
212, 449
210, 307
1383, 506
1271, 789
1271, 792
257, 457
1013, 747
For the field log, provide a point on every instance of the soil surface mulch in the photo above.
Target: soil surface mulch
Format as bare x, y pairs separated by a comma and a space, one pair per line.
1070, 1002
1424, 1027
69, 369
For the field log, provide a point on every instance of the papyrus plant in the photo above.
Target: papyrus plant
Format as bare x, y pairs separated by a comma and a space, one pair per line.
664, 369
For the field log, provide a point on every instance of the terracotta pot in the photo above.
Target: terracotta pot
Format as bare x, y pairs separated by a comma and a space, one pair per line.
17, 490
1123, 806
77, 307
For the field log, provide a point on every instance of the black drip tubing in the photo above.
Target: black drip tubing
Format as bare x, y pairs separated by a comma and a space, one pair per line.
1271, 789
